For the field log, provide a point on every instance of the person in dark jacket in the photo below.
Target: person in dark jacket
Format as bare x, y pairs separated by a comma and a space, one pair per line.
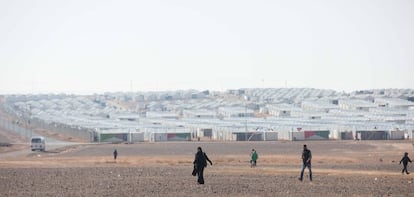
200, 162
405, 161
306, 159
115, 154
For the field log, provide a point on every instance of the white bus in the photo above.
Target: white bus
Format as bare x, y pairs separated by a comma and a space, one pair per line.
38, 143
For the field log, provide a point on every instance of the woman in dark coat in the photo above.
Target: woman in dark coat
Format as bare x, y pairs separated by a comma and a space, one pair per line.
405, 161
200, 162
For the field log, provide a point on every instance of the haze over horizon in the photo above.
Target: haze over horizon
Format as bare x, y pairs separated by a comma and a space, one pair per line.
102, 46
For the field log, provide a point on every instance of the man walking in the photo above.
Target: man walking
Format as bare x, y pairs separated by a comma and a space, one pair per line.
306, 159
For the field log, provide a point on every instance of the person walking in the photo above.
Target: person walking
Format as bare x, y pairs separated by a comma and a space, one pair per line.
253, 158
306, 159
115, 154
405, 161
200, 162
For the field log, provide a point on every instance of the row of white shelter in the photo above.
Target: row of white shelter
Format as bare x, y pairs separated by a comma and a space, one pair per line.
263, 114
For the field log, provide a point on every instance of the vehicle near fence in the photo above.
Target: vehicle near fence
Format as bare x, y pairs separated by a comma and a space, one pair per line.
38, 143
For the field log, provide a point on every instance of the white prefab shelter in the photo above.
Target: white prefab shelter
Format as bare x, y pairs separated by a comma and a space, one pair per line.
136, 137
270, 136
397, 135
235, 112
361, 105
298, 136
162, 137
199, 114
282, 110
205, 132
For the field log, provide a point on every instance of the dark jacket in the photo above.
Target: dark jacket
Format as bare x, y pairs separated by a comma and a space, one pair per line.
201, 159
405, 160
306, 155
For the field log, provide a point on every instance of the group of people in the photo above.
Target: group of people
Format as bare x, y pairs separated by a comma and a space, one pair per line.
201, 159
200, 162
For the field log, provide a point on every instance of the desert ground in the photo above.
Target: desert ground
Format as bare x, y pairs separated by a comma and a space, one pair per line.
340, 168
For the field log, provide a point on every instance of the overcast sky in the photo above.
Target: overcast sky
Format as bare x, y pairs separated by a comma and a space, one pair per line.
96, 46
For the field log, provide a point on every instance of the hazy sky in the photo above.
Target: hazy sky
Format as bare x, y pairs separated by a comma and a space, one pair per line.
95, 46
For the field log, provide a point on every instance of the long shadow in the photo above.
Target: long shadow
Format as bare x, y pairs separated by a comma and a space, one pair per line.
51, 151
46, 151
5, 144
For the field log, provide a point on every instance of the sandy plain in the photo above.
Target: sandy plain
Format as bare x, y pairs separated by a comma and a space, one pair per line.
340, 168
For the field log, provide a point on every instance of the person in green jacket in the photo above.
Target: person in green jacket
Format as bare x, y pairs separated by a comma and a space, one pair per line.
253, 158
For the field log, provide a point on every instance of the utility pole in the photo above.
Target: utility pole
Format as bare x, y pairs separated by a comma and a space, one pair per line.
29, 117
245, 117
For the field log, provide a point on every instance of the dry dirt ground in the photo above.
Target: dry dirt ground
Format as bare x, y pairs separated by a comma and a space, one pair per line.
340, 168
10, 142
